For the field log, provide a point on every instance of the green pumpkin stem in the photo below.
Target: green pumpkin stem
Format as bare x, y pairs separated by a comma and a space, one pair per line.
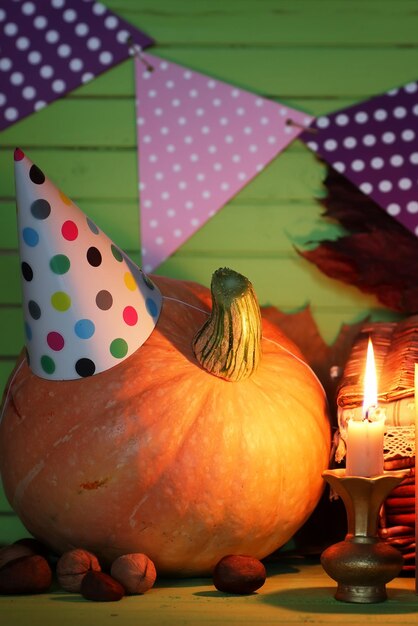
229, 343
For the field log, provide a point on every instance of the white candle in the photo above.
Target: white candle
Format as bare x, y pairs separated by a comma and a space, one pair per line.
365, 438
365, 442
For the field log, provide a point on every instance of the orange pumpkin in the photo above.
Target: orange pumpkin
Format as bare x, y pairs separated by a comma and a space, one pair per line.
158, 455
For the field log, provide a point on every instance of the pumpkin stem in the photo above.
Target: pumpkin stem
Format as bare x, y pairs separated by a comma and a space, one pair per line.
229, 343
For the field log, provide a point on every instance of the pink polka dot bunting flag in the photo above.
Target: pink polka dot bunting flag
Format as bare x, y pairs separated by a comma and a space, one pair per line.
87, 306
200, 141
374, 144
51, 47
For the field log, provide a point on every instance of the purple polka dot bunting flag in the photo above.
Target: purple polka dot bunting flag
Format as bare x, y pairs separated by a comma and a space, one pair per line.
51, 47
87, 306
200, 141
374, 144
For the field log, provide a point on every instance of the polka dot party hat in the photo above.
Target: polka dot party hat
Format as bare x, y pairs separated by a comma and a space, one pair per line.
374, 145
87, 306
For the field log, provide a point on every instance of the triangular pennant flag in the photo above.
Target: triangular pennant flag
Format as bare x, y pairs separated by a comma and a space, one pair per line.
374, 145
51, 47
86, 305
200, 141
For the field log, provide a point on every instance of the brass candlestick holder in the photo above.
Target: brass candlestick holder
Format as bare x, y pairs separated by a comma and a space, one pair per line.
362, 564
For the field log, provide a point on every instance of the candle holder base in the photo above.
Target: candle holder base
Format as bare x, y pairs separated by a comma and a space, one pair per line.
362, 564
361, 595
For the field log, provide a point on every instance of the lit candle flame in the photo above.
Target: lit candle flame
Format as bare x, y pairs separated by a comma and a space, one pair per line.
370, 382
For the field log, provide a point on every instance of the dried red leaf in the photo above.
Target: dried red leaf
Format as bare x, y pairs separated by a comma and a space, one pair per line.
378, 255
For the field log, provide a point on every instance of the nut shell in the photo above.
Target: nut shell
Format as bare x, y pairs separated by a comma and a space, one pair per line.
27, 574
36, 546
136, 572
101, 587
73, 565
239, 574
10, 553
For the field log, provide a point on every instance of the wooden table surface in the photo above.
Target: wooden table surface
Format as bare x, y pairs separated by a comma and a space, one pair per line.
297, 591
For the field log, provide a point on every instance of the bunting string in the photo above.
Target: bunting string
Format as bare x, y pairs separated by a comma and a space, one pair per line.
200, 140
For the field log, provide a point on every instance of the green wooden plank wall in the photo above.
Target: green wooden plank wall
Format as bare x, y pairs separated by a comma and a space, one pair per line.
317, 56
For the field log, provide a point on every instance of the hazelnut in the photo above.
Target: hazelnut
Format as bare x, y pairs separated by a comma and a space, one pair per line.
136, 572
101, 587
239, 574
15, 551
35, 545
73, 565
28, 574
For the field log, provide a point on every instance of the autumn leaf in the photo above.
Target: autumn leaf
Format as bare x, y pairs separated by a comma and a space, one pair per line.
377, 255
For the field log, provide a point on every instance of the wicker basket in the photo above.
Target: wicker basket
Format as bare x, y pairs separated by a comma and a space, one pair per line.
396, 352
397, 516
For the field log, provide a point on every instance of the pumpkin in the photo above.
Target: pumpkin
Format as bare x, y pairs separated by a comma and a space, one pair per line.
209, 440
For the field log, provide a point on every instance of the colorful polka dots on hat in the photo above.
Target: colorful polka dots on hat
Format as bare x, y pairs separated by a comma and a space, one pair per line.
375, 145
51, 47
87, 306
200, 141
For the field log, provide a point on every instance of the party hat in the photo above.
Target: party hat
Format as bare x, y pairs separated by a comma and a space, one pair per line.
86, 305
